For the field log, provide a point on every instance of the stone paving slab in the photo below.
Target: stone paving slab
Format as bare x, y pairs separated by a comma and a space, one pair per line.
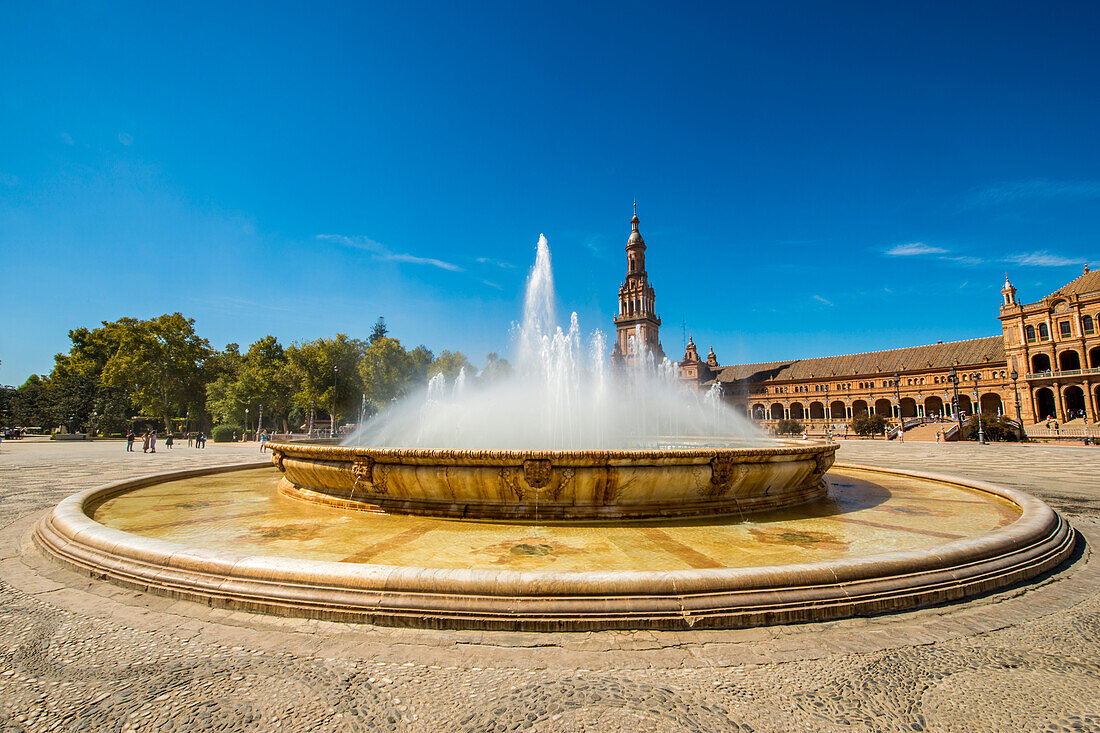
79, 654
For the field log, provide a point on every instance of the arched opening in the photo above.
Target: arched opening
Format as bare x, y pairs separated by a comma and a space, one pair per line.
1074, 399
859, 408
966, 405
776, 411
1069, 361
883, 407
817, 411
908, 407
1040, 363
1094, 357
836, 411
1044, 404
991, 404
798, 412
933, 406
758, 412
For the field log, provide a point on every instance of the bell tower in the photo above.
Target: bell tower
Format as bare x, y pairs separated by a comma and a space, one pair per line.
637, 321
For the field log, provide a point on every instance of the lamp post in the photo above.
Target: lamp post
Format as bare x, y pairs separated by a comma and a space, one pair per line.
244, 435
1016, 394
334, 370
953, 377
362, 410
828, 414
260, 421
312, 410
901, 419
976, 377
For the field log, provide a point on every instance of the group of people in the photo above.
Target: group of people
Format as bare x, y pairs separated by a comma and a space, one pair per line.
149, 441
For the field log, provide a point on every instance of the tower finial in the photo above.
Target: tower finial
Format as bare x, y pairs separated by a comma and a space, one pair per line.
635, 207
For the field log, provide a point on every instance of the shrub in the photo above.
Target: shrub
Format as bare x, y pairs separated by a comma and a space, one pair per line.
868, 425
995, 427
224, 433
788, 427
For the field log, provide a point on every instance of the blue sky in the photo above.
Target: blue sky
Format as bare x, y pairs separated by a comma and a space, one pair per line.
812, 178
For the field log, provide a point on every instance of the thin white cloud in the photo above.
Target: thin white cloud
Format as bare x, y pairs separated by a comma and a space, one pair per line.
495, 263
914, 248
1040, 189
492, 285
963, 260
382, 252
125, 138
1042, 258
67, 138
819, 299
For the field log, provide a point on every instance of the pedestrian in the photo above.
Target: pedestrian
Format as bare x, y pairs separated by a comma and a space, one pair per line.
145, 442
153, 442
168, 441
130, 441
200, 441
263, 441
190, 439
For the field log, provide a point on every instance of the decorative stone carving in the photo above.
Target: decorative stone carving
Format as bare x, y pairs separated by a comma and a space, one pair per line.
277, 459
363, 469
725, 471
536, 471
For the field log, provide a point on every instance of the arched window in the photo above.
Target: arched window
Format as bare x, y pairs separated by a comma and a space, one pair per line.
1086, 324
1044, 332
1030, 331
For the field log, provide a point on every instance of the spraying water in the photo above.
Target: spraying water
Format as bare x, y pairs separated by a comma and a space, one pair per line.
562, 394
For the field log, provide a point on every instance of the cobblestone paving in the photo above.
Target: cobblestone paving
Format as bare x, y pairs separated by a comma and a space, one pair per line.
80, 654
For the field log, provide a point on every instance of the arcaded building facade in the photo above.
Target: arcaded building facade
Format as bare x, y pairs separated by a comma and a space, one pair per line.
1045, 364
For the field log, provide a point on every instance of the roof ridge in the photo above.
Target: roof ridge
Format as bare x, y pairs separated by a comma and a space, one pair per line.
865, 353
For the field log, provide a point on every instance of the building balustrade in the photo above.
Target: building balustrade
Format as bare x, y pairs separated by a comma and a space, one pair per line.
1060, 373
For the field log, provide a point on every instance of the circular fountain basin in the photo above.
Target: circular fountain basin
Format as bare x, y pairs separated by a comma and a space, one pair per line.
555, 484
879, 541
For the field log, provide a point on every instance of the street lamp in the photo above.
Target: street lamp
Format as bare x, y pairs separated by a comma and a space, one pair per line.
901, 419
828, 414
1016, 394
334, 400
260, 422
976, 377
953, 377
244, 436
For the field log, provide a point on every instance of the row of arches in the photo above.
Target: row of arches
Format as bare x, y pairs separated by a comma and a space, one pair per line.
991, 404
1074, 402
1068, 361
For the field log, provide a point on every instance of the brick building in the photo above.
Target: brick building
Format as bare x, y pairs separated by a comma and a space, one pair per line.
1045, 364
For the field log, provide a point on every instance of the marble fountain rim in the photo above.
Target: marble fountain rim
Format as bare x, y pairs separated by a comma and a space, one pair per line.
1037, 541
578, 456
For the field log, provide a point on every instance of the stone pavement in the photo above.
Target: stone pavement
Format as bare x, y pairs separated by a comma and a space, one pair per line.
80, 654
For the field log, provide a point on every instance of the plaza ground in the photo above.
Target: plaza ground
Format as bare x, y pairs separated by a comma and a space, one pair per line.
81, 654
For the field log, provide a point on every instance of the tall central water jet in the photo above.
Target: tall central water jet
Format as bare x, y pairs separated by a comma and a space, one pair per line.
562, 395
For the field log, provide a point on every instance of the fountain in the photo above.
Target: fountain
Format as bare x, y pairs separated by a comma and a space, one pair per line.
561, 436
566, 496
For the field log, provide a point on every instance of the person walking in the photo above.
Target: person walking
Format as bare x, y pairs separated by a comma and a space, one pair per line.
153, 442
130, 441
190, 439
263, 442
145, 442
200, 440
168, 441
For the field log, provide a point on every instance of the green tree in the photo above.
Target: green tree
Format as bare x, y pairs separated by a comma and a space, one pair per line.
388, 371
449, 363
868, 425
788, 427
310, 367
160, 364
495, 368
30, 404
378, 331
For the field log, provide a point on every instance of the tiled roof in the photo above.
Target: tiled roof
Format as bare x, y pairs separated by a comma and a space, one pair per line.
934, 356
1087, 283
